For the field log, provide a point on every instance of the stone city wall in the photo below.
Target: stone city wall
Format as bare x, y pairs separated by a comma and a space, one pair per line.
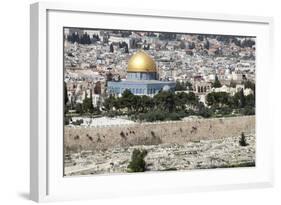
97, 138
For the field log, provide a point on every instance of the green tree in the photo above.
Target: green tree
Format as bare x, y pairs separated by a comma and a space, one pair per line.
165, 101
127, 100
250, 100
182, 45
181, 100
87, 104
109, 76
79, 108
241, 98
180, 86
204, 111
146, 103
126, 48
207, 44
135, 103
191, 45
217, 99
247, 110
66, 120
216, 83
109, 103
185, 99
242, 140
111, 48
65, 93
250, 84
137, 163
188, 85
192, 99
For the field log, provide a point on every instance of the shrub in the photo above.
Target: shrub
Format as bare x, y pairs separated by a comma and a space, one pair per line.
205, 112
151, 116
248, 110
172, 116
137, 163
242, 141
225, 111
78, 122
78, 108
190, 112
159, 116
122, 134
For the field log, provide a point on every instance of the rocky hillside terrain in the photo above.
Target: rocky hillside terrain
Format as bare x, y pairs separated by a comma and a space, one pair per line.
201, 154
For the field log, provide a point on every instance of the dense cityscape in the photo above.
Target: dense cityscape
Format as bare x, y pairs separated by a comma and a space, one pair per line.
127, 78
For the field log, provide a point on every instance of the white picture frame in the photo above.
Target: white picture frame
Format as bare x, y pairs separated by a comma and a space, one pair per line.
46, 179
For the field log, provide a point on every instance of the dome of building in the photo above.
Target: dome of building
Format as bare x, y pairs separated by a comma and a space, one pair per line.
141, 62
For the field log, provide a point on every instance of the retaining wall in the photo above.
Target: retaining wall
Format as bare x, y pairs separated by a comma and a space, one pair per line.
96, 138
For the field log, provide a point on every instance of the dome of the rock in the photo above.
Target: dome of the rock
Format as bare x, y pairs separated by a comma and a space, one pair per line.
142, 78
141, 62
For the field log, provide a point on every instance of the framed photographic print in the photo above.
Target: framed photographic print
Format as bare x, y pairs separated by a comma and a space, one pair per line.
127, 102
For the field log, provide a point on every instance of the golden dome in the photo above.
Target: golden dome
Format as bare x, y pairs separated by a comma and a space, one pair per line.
141, 62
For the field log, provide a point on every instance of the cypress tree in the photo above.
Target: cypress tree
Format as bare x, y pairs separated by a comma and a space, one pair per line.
65, 93
111, 48
217, 83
